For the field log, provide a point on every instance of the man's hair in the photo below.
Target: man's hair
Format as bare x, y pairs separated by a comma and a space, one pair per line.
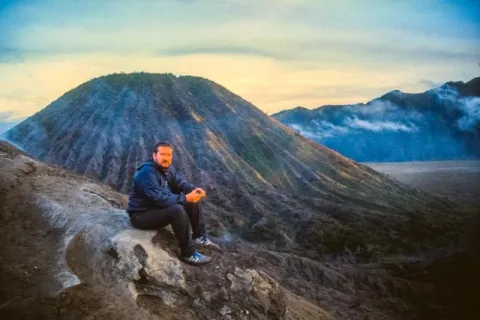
161, 144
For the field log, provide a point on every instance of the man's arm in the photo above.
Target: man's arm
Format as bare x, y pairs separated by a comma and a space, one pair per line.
148, 183
182, 184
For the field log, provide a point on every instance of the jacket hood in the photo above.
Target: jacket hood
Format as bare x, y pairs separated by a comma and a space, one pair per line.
148, 163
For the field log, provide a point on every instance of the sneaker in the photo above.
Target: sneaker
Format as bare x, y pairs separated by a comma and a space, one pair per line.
197, 258
203, 241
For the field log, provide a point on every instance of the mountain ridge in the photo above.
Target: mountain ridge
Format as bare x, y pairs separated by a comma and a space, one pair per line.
438, 124
469, 88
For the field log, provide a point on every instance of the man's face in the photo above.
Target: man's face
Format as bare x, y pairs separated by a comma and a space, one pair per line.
163, 156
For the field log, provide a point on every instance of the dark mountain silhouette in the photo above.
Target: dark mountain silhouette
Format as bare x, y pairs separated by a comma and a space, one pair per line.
439, 124
264, 181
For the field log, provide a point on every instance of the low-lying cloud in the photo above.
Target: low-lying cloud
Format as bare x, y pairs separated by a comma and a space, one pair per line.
383, 116
471, 117
469, 106
8, 120
378, 126
375, 108
329, 129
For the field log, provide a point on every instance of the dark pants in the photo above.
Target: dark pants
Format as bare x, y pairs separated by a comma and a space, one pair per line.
178, 216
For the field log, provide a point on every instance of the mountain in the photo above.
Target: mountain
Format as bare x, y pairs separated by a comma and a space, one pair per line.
439, 124
323, 227
264, 182
69, 251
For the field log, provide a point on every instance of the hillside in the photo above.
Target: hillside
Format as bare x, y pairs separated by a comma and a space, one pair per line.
69, 251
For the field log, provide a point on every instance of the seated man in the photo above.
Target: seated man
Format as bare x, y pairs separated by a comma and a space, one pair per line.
160, 196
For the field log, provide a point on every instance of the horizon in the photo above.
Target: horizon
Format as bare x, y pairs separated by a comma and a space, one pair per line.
278, 55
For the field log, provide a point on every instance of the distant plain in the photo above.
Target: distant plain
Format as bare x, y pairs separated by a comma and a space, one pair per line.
457, 180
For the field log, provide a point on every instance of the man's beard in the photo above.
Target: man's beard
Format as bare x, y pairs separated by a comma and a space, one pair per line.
164, 164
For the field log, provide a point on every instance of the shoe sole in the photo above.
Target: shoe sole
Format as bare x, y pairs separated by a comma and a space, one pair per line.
197, 263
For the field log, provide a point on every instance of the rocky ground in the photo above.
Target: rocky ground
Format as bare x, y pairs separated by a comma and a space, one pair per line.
69, 252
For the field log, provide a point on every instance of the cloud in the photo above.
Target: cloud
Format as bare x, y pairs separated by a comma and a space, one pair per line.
469, 106
446, 93
379, 125
320, 130
231, 27
18, 102
8, 120
11, 55
387, 111
256, 4
275, 53
8, 116
328, 129
374, 108
429, 84
233, 50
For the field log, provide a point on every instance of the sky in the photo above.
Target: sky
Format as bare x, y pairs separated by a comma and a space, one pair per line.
276, 54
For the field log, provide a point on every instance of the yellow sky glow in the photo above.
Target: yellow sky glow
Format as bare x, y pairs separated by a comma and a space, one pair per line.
271, 85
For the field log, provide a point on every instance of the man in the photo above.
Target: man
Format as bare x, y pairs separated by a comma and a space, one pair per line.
161, 196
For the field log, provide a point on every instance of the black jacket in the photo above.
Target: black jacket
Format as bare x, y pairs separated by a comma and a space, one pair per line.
156, 187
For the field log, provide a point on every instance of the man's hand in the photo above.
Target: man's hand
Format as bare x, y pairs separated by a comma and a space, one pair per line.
196, 195
202, 192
